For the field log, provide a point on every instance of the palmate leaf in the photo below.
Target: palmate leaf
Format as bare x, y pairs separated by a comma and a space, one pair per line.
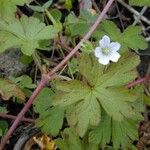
25, 33
139, 3
9, 7
121, 133
98, 89
129, 39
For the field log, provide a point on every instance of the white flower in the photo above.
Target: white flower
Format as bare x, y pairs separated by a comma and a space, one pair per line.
107, 51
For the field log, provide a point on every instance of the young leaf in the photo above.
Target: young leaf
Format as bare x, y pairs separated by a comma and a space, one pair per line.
51, 120
139, 2
9, 89
25, 33
129, 39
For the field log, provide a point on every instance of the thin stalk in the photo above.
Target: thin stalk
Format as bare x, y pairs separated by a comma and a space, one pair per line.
7, 116
37, 61
51, 17
49, 76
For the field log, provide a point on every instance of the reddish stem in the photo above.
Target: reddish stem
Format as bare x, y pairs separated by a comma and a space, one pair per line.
4, 115
49, 76
137, 82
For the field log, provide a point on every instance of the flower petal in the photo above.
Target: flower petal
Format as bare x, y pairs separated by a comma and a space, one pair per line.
115, 46
98, 52
114, 56
104, 60
104, 42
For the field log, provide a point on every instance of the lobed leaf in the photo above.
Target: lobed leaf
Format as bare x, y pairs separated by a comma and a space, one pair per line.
101, 89
25, 33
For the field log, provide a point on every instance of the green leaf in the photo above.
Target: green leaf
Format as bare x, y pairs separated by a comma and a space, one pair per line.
26, 59
36, 8
139, 2
9, 7
87, 47
99, 89
56, 14
3, 109
129, 39
47, 4
121, 133
68, 4
24, 81
70, 141
132, 38
102, 133
43, 101
9, 89
51, 120
73, 66
124, 133
79, 25
25, 33
3, 127
87, 113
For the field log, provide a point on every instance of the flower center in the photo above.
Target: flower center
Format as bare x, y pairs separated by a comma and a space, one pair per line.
105, 50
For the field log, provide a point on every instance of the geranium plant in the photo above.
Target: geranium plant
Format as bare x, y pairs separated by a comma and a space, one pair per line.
90, 102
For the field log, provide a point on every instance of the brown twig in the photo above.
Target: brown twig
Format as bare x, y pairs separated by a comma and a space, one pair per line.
46, 78
4, 115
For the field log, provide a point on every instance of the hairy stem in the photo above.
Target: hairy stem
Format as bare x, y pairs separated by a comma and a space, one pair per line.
49, 76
